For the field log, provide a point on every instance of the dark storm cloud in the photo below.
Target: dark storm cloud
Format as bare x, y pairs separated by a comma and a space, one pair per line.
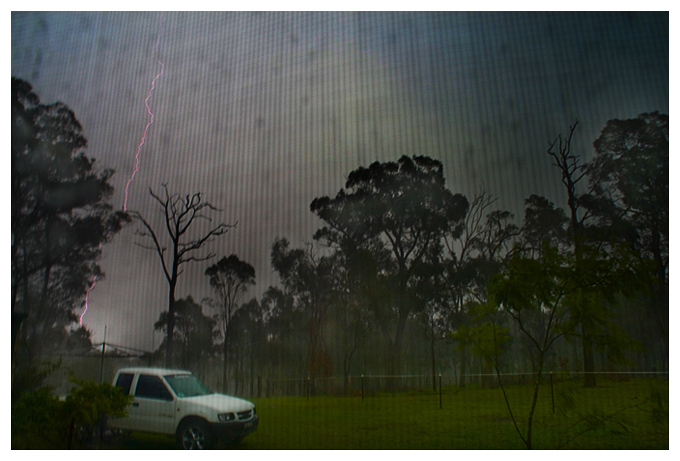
262, 112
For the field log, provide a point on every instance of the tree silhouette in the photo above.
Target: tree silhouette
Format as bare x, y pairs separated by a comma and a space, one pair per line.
179, 214
405, 207
194, 331
356, 287
629, 180
543, 224
308, 278
248, 339
593, 239
474, 251
60, 216
229, 278
285, 332
573, 172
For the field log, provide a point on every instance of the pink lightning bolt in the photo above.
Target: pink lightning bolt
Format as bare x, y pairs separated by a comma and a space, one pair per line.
87, 294
148, 110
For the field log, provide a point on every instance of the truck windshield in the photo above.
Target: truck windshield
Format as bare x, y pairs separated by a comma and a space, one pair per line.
187, 385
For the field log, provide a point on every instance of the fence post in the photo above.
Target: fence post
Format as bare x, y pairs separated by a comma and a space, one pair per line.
362, 388
552, 392
101, 366
440, 391
309, 386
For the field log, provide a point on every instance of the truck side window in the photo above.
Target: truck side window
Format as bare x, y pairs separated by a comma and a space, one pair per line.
152, 387
124, 381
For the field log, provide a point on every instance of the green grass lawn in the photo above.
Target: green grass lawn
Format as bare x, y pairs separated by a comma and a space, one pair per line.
605, 417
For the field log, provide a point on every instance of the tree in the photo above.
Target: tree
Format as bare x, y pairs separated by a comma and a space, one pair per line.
179, 214
360, 264
357, 287
60, 217
475, 249
629, 181
248, 338
538, 293
592, 236
307, 278
285, 336
529, 288
405, 207
432, 301
573, 172
460, 273
544, 225
194, 331
229, 279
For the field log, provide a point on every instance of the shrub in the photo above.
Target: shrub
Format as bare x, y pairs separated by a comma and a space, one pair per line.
42, 420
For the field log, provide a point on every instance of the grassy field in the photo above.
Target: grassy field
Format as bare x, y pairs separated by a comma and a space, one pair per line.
614, 415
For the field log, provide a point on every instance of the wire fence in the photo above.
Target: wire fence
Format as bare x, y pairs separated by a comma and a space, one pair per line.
255, 385
368, 385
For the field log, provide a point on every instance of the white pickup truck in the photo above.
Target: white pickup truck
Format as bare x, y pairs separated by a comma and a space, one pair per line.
175, 402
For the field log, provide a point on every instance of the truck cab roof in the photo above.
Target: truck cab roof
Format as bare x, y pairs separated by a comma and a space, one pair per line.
154, 371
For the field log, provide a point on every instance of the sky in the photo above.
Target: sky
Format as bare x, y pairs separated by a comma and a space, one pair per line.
262, 112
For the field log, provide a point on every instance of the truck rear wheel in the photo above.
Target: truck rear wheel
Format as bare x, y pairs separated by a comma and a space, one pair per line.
194, 434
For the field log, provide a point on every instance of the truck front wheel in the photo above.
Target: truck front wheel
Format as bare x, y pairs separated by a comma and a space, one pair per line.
194, 434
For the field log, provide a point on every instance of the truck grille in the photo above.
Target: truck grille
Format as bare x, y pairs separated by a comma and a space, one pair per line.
244, 415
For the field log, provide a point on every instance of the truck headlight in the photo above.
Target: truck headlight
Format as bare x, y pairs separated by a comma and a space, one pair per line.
226, 417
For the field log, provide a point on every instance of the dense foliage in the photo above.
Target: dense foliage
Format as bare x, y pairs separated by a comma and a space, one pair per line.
60, 219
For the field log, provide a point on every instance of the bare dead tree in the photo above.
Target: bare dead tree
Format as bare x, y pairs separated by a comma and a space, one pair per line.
179, 213
573, 172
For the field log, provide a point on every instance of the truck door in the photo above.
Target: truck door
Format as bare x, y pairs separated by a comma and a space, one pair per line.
124, 382
153, 408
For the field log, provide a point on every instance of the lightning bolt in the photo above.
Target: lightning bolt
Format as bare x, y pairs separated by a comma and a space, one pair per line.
148, 109
87, 294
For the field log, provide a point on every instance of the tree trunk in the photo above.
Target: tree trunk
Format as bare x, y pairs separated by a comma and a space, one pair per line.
661, 304
463, 371
534, 400
47, 261
346, 367
237, 361
394, 353
169, 358
224, 362
392, 366
588, 359
434, 362
252, 369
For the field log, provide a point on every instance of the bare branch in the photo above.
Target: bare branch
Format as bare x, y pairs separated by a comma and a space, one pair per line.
157, 246
199, 258
196, 244
179, 214
146, 247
